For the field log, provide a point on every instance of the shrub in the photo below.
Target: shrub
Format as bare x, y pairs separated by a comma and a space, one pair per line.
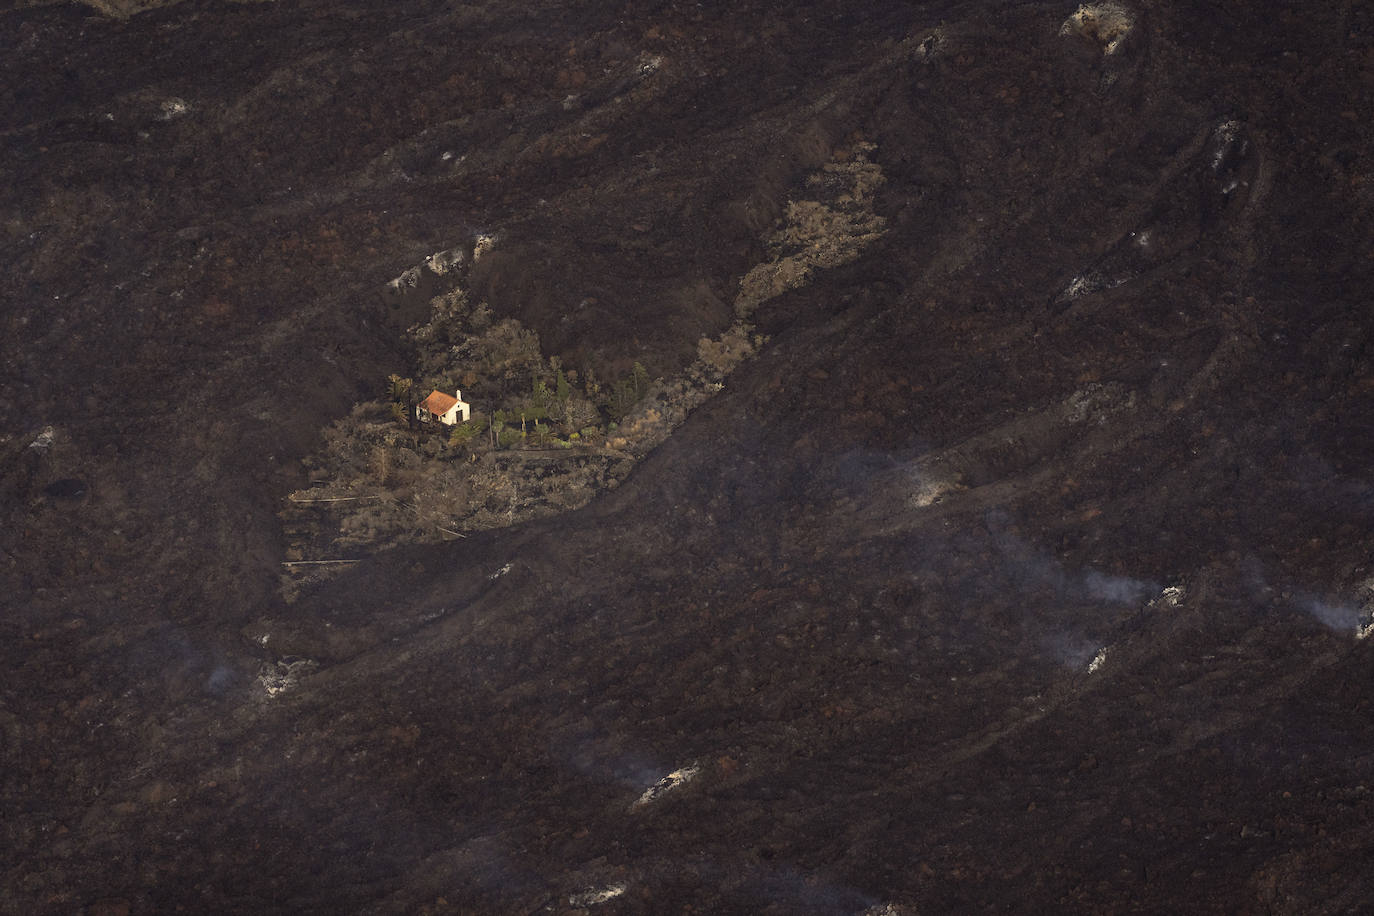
718, 358
464, 433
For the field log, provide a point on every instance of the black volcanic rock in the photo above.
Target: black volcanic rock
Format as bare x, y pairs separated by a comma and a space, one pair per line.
1026, 568
68, 488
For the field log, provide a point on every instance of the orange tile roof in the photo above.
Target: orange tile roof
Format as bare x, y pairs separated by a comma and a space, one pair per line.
438, 403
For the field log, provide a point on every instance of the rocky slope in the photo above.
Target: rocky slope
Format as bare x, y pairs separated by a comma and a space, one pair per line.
1025, 568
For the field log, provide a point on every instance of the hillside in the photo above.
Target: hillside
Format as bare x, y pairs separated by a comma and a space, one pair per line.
1014, 554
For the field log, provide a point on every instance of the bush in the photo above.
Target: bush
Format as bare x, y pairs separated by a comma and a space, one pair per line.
464, 433
718, 358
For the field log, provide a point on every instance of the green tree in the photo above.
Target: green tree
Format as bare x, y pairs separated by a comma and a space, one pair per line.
541, 398
464, 433
628, 392
622, 400
497, 427
402, 391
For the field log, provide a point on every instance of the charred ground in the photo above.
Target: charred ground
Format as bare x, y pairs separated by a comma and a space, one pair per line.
1104, 382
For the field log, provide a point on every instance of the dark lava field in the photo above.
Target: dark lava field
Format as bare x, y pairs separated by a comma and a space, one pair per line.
1026, 568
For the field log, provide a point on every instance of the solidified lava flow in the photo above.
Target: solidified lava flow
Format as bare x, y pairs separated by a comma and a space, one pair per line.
918, 462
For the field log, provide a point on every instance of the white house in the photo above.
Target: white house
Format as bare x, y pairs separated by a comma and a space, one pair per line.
449, 410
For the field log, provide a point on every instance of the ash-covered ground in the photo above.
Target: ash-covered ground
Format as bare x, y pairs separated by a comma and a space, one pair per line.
1025, 567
